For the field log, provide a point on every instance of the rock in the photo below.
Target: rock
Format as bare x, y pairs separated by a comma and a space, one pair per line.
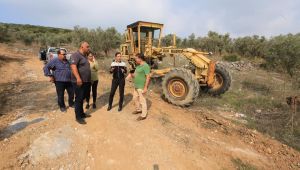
6, 140
238, 65
49, 145
240, 115
268, 150
258, 111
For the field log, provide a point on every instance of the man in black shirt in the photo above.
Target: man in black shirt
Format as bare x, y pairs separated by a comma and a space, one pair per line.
81, 79
119, 70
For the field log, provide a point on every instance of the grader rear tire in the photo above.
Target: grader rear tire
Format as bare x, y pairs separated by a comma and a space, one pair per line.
180, 87
221, 84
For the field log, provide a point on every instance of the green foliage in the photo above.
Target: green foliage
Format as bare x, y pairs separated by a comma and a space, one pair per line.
99, 39
111, 40
254, 46
29, 34
4, 33
256, 87
28, 39
215, 42
281, 53
231, 57
80, 34
284, 54
167, 40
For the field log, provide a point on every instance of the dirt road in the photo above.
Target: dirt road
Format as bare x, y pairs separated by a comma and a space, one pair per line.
36, 135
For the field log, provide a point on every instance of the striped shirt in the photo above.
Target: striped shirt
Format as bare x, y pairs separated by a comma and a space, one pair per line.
60, 70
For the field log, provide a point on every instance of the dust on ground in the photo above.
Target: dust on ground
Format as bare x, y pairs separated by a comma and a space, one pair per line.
34, 134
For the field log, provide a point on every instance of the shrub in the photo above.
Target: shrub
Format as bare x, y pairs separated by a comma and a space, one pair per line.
28, 39
231, 58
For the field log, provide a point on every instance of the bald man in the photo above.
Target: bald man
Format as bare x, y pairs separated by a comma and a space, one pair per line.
81, 79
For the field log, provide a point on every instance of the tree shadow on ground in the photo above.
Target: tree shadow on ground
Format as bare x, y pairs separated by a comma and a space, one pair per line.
127, 98
16, 127
21, 98
6, 59
102, 101
27, 96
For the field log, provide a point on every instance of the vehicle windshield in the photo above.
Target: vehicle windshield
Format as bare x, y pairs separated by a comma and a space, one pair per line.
54, 50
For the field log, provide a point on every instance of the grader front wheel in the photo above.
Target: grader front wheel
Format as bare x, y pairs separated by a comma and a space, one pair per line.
221, 84
180, 87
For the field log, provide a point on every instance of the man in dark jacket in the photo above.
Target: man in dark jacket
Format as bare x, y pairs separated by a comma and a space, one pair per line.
59, 72
119, 70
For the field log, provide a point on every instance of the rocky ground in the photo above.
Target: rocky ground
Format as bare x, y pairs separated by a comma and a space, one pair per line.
34, 134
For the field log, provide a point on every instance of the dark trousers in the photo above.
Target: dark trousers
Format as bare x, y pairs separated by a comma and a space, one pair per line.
60, 90
93, 88
80, 95
114, 85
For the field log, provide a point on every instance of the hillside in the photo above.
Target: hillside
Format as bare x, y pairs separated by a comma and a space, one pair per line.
212, 134
34, 28
251, 126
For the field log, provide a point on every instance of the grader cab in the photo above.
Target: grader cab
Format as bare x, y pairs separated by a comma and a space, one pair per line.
181, 86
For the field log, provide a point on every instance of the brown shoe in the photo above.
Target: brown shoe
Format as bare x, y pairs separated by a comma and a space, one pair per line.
141, 118
136, 112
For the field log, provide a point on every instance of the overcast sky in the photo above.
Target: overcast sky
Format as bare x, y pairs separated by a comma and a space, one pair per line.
183, 17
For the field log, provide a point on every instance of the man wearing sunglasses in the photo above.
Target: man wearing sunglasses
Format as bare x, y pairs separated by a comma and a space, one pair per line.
59, 72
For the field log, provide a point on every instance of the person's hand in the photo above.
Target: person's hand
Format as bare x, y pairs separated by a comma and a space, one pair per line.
112, 69
52, 79
129, 76
79, 82
145, 90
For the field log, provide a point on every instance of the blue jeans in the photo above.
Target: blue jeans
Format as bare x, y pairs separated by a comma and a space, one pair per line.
80, 95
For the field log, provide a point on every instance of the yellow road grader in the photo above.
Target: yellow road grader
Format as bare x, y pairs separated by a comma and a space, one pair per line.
181, 86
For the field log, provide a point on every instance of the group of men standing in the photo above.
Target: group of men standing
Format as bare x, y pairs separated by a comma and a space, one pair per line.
80, 74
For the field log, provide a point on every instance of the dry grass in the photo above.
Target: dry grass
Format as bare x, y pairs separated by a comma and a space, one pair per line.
261, 96
240, 165
258, 94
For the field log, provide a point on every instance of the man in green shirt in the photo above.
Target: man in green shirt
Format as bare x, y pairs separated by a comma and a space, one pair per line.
141, 79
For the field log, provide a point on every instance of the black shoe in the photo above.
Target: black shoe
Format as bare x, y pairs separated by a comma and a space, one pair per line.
85, 116
63, 109
140, 118
94, 106
80, 121
119, 109
87, 106
136, 112
108, 108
